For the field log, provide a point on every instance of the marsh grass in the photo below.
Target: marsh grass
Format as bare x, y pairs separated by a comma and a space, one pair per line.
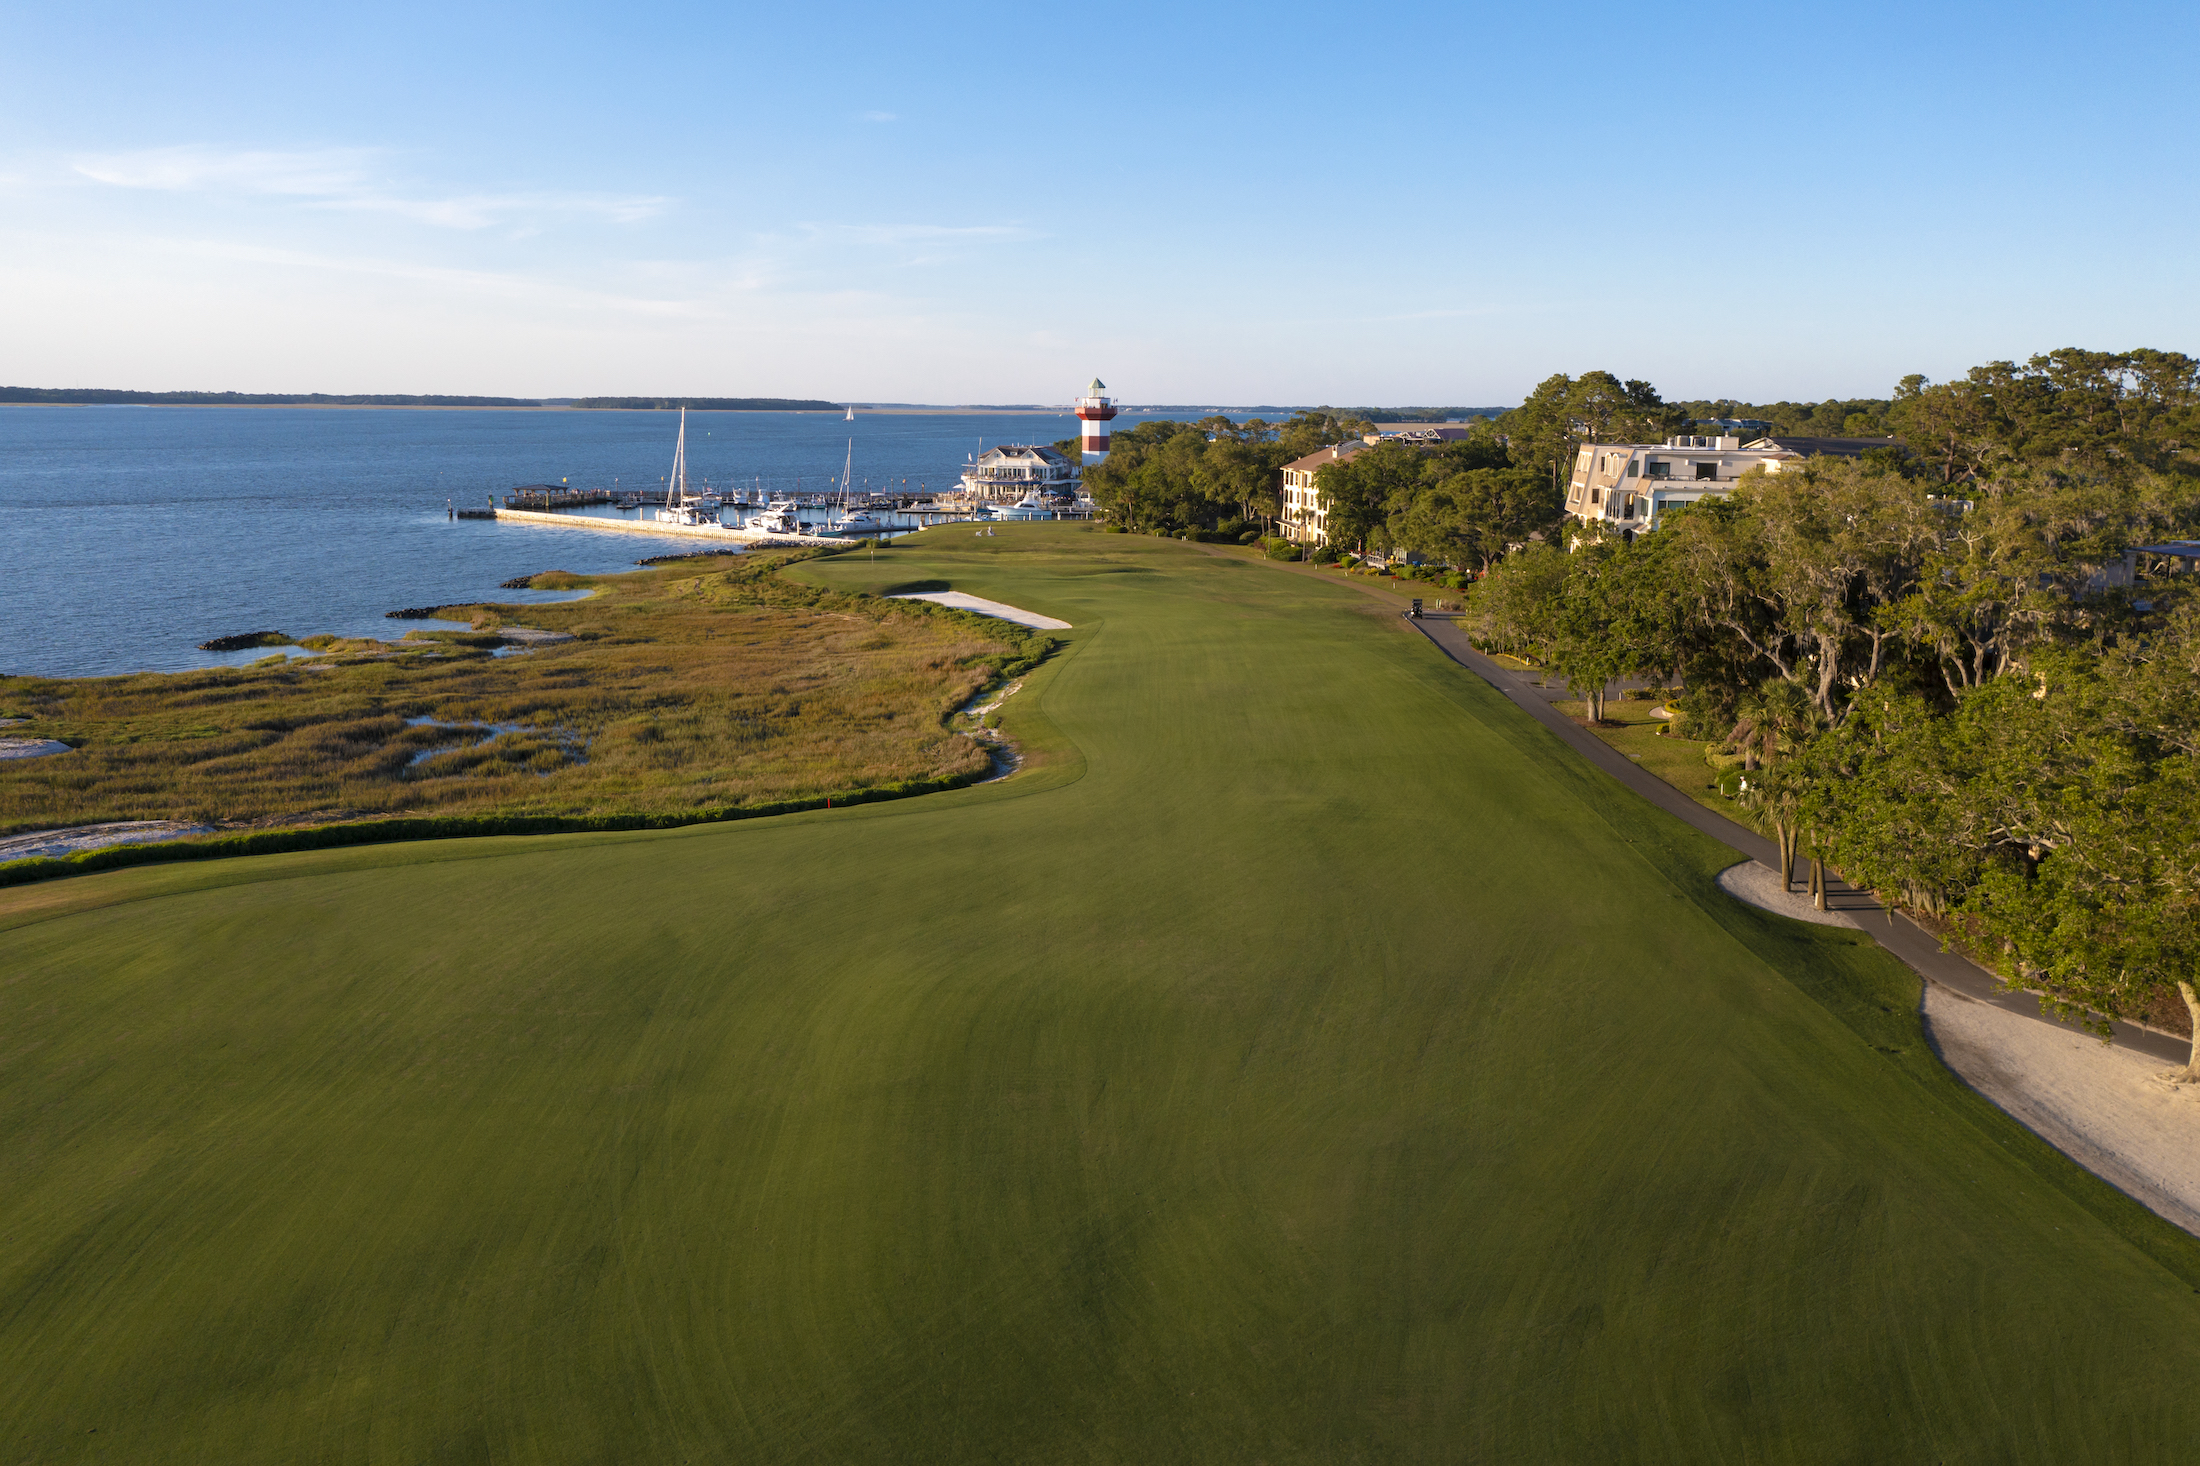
688, 688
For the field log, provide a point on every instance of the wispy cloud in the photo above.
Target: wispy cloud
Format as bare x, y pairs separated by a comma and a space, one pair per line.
877, 117
471, 282
181, 169
347, 179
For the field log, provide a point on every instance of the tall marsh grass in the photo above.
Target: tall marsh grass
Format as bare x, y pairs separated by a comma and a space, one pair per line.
686, 691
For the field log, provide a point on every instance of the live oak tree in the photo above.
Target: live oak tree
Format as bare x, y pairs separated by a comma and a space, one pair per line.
1564, 412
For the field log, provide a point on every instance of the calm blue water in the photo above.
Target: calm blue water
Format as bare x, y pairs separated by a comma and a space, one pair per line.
128, 535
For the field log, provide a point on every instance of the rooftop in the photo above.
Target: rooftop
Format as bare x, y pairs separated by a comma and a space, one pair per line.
1321, 456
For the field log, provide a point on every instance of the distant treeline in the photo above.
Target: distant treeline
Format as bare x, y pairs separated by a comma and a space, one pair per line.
401, 399
1414, 414
254, 399
715, 404
1836, 417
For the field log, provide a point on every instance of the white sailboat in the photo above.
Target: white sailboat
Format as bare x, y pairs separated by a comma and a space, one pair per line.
679, 507
851, 412
853, 521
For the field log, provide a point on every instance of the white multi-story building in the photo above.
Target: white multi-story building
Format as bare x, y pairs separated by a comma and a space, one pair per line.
1305, 517
1012, 470
1628, 487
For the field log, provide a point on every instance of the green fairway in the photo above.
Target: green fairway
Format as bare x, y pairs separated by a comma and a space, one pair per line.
1305, 1060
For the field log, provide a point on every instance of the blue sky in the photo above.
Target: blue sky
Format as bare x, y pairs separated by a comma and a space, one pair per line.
1199, 202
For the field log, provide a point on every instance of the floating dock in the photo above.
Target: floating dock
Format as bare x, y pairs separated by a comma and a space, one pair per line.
754, 539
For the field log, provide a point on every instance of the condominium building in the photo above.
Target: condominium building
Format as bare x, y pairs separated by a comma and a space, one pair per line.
1305, 517
1628, 487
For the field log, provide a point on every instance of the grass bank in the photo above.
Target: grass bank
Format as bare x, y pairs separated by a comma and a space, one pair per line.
1313, 1062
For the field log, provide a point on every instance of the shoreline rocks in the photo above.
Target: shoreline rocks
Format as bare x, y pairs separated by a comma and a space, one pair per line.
244, 640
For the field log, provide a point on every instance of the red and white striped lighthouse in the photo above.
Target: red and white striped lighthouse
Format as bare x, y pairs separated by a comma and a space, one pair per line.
1094, 409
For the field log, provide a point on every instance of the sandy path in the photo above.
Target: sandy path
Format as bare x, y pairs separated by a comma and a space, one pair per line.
1760, 886
2098, 1104
962, 602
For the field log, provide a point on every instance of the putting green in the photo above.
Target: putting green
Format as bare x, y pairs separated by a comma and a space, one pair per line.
1307, 1060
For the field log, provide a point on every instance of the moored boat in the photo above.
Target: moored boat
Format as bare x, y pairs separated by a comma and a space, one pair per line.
782, 516
680, 506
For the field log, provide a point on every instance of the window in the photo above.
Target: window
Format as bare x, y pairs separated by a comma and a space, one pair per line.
1707, 471
1627, 511
1659, 468
1634, 467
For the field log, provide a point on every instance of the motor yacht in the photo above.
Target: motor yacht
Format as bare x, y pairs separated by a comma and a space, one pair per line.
783, 516
1033, 505
859, 522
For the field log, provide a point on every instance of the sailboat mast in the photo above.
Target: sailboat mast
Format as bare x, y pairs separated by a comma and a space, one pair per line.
678, 494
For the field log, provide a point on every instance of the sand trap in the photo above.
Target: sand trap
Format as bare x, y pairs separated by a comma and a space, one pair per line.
56, 843
962, 602
1760, 887
30, 747
2099, 1105
2102, 1106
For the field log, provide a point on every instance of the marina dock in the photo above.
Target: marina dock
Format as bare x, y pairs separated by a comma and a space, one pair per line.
719, 533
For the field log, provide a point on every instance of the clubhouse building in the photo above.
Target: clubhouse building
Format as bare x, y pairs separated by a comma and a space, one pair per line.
1009, 471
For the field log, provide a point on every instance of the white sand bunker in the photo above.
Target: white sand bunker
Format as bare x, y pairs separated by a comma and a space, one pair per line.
54, 844
2100, 1105
30, 747
1760, 887
963, 602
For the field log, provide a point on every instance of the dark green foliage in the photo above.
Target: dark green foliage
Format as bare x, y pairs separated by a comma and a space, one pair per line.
247, 639
1836, 417
1564, 412
2087, 412
1168, 477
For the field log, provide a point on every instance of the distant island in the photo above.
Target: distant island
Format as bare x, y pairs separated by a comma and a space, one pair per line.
715, 404
107, 395
254, 399
99, 395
